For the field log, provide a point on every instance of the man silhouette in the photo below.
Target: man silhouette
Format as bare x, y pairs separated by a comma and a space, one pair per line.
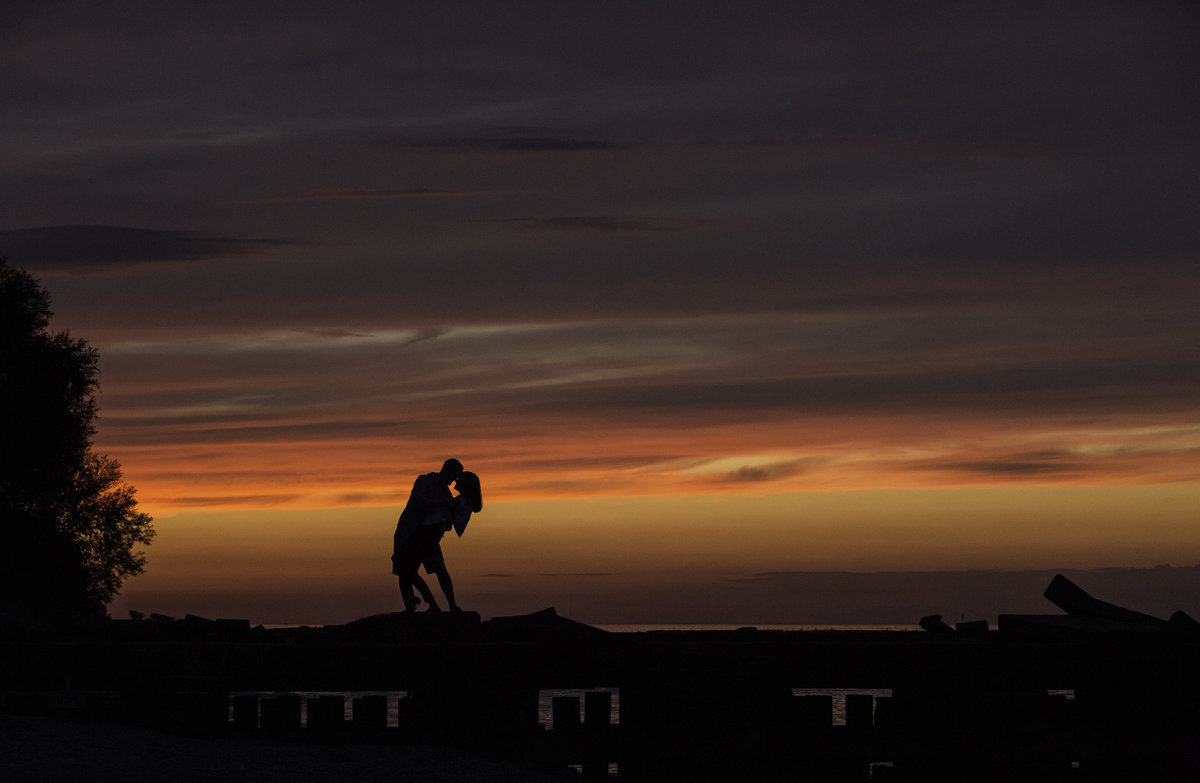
438, 522
411, 542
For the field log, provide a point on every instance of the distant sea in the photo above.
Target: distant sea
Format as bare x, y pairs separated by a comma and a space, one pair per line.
643, 627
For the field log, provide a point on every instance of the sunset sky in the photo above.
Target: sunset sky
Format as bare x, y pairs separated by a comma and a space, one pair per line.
747, 313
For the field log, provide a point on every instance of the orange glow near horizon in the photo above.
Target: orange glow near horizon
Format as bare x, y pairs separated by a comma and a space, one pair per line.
762, 458
588, 555
647, 505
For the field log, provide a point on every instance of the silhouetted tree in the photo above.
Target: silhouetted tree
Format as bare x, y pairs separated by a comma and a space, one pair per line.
68, 524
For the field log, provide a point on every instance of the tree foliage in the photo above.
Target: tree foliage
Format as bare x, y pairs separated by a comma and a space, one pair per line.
68, 523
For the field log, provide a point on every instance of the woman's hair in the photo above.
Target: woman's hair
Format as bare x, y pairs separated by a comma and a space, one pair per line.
468, 487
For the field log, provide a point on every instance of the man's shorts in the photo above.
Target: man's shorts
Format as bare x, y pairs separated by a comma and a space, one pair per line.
433, 560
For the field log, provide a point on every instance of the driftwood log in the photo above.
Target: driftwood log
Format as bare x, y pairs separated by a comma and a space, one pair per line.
1074, 600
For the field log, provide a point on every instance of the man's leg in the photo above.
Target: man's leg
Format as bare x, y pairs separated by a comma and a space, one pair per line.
427, 594
406, 595
407, 565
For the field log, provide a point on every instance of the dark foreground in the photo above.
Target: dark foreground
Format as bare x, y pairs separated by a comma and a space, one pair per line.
1053, 698
43, 749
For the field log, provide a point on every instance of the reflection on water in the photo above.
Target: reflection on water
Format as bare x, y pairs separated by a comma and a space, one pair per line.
347, 708
546, 697
839, 698
546, 701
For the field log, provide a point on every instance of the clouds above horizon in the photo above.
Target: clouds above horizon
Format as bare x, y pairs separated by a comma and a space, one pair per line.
738, 247
703, 405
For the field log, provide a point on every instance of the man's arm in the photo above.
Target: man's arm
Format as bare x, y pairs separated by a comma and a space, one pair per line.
429, 493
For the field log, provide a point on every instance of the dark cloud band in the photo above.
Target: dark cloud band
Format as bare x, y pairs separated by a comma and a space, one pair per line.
88, 247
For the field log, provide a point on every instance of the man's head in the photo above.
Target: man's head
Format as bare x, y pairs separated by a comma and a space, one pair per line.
451, 470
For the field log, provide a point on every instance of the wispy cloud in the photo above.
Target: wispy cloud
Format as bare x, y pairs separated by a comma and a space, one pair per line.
755, 474
516, 143
585, 574
612, 223
202, 501
334, 195
1019, 466
88, 247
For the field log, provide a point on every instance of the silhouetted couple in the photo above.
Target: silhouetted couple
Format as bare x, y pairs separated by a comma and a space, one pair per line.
432, 510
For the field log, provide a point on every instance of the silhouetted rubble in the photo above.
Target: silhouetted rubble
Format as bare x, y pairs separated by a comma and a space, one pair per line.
1097, 692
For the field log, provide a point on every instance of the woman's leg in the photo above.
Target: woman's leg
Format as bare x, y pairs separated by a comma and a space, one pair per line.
447, 586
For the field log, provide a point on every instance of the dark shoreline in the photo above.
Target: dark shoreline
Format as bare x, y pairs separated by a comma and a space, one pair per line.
1100, 694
